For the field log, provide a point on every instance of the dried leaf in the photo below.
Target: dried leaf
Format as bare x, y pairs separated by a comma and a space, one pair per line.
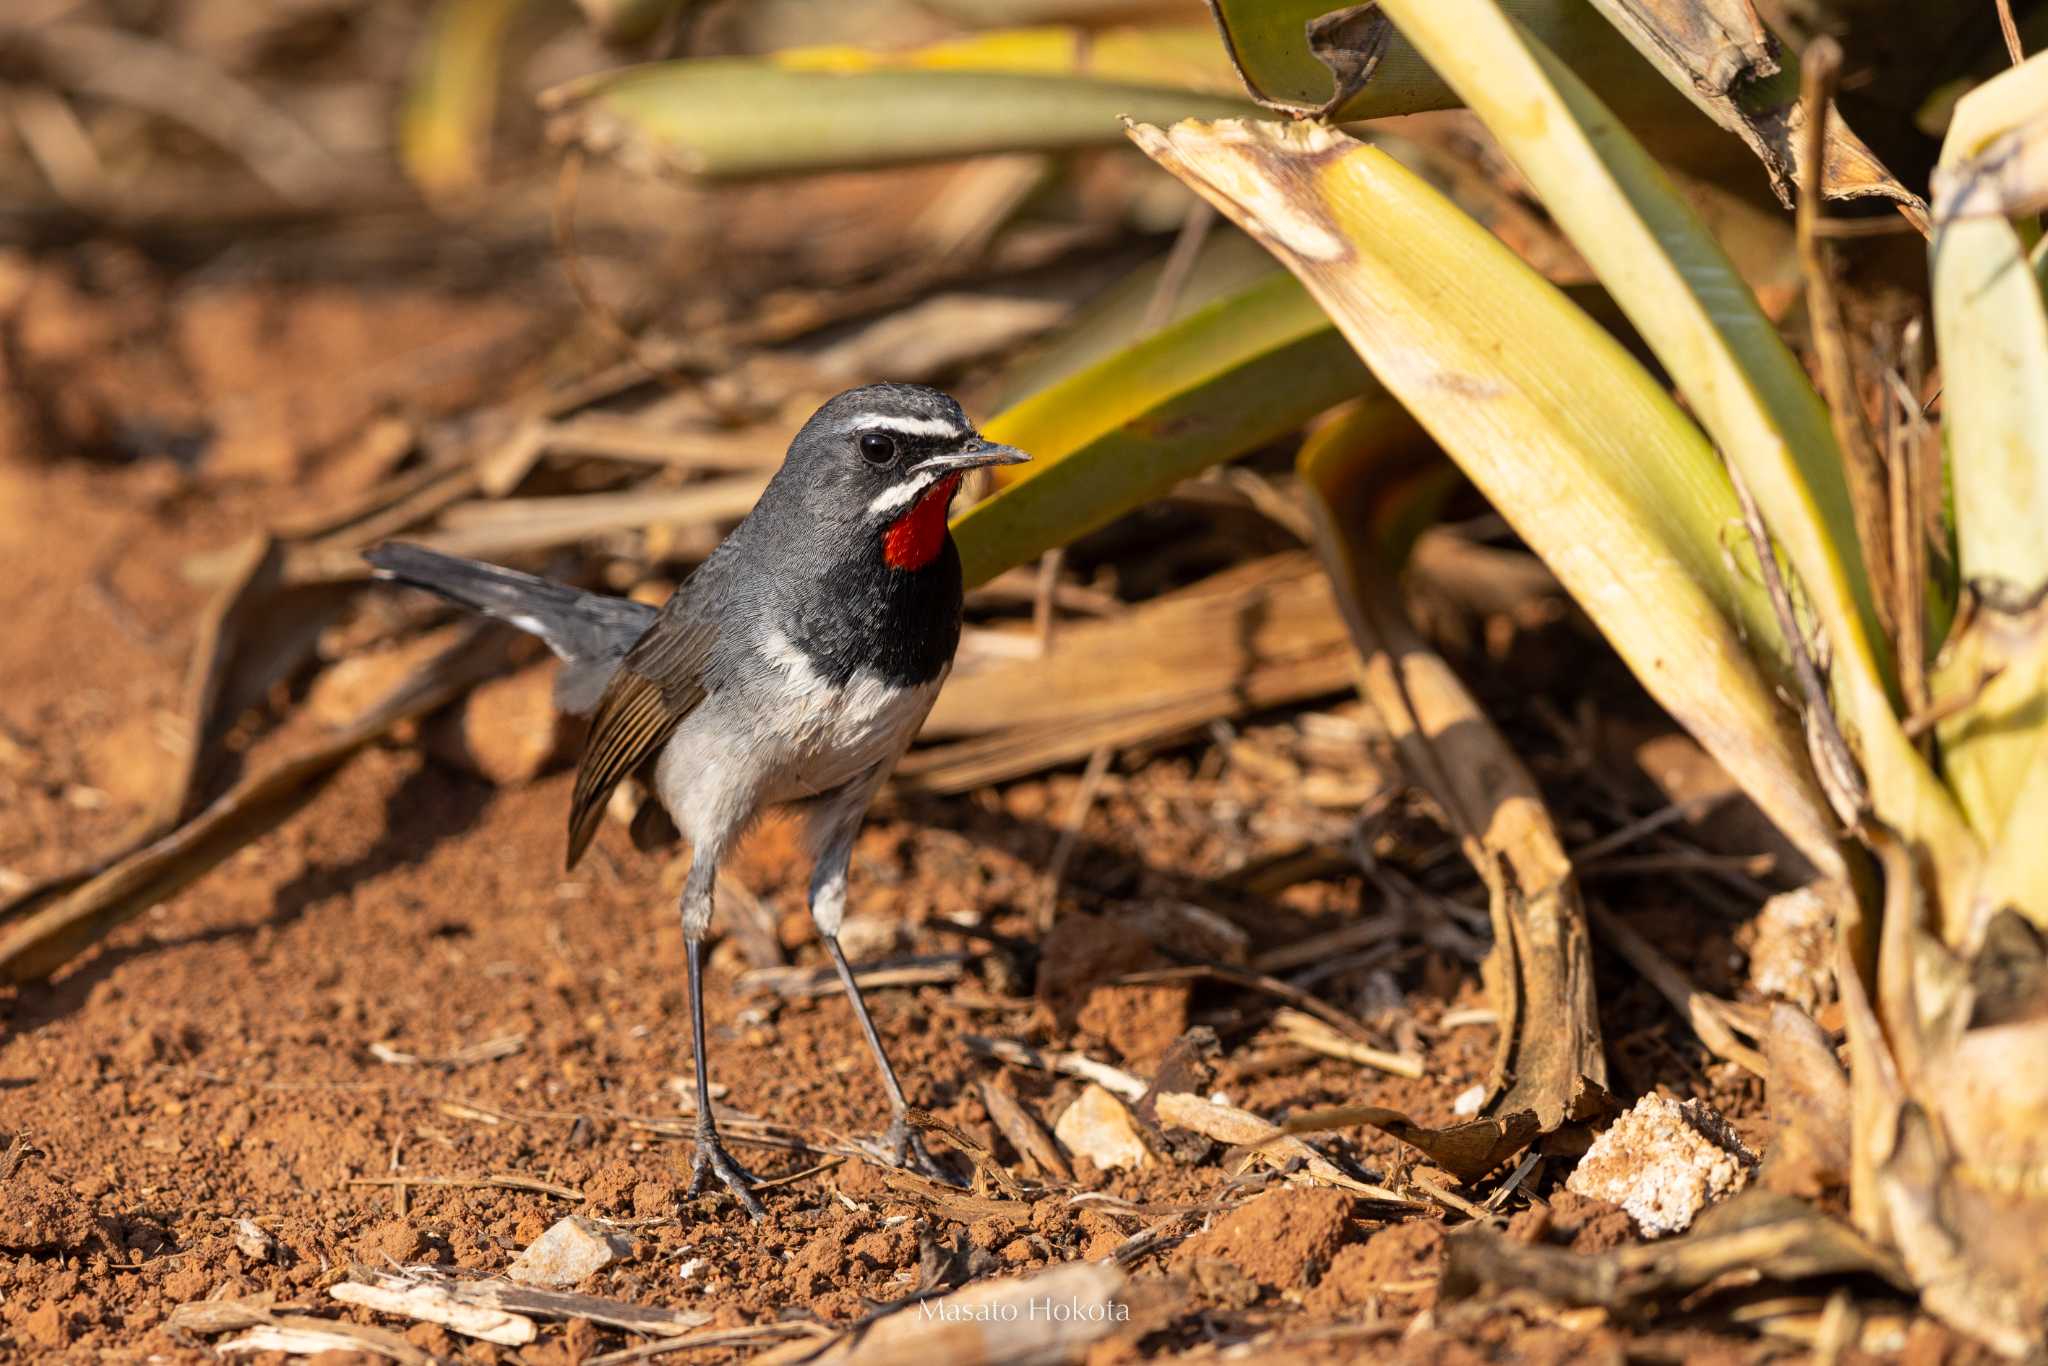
1468, 1150
1778, 1238
1811, 1108
1719, 55
1540, 971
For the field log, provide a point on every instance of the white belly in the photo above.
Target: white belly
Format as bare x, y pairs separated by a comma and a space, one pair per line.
791, 737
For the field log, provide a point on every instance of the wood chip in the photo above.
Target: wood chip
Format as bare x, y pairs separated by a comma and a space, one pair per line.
1312, 1033
432, 1304
490, 1050
1266, 1141
1026, 1133
533, 1301
1112, 1079
802, 983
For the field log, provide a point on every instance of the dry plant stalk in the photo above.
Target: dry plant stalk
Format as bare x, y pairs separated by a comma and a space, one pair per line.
1861, 463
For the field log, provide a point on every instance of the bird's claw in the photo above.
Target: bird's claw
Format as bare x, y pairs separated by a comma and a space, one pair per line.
713, 1160
906, 1149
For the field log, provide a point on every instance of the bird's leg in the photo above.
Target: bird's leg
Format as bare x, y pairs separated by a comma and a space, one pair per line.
828, 908
905, 1146
711, 1158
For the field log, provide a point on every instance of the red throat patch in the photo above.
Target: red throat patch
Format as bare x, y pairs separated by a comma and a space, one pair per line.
914, 539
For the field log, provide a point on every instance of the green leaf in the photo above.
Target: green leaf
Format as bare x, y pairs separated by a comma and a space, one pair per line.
1268, 42
1573, 441
820, 109
1747, 389
1246, 370
1228, 263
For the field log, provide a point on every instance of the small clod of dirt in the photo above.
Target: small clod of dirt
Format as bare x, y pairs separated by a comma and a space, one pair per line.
1398, 1261
1282, 1240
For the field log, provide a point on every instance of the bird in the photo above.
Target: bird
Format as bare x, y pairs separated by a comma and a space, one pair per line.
791, 669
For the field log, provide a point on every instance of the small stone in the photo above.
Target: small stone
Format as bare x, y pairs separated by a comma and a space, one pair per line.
252, 1242
1663, 1162
573, 1250
1096, 1126
864, 937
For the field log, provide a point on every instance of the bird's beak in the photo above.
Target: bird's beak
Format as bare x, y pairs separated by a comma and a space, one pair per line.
973, 455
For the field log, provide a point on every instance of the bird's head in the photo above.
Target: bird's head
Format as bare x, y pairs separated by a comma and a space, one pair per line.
884, 461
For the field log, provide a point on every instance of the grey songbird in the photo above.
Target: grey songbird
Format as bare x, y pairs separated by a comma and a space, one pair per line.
793, 667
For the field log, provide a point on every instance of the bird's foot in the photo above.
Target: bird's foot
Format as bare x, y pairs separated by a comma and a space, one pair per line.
713, 1160
905, 1148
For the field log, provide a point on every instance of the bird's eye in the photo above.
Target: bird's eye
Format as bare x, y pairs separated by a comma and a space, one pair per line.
876, 448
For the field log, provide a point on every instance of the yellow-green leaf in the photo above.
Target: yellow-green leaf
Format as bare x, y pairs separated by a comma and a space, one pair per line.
1246, 370
1573, 441
1176, 56
834, 108
1268, 41
1745, 386
445, 124
1992, 331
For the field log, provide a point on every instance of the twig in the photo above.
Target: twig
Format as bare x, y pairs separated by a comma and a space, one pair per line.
1313, 1034
1253, 981
1114, 1080
2011, 32
1506, 1189
1820, 67
1045, 596
434, 1304
1070, 832
796, 983
1682, 861
1451, 1200
717, 1337
1180, 264
1025, 1132
1257, 1137
501, 1180
827, 1165
1921, 722
1905, 431
1840, 778
58, 144
128, 69
1319, 948
496, 1292
490, 1050
1650, 824
1704, 1012
1166, 1233
658, 368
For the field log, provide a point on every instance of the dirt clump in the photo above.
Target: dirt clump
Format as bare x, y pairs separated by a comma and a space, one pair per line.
1579, 1222
1281, 1240
1400, 1261
38, 1213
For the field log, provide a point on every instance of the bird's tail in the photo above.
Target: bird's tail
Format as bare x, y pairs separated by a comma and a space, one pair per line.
589, 632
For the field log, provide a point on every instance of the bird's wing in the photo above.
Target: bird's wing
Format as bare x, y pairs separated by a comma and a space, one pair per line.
660, 682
